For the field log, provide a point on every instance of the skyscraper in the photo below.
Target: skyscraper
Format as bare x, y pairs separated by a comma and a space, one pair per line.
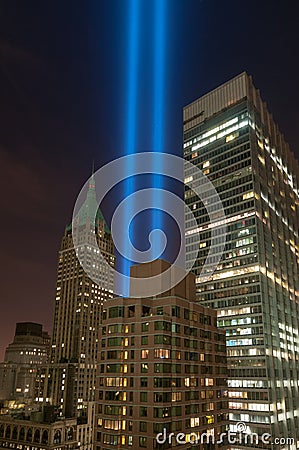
78, 303
23, 358
162, 371
230, 135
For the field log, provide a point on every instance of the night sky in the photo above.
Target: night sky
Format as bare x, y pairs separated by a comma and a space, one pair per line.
63, 100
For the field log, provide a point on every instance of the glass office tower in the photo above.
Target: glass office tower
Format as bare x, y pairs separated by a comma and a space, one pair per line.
230, 135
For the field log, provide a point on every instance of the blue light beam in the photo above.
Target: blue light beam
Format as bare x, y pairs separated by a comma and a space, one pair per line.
158, 108
131, 114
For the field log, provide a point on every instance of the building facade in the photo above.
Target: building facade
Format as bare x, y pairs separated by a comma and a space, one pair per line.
72, 369
162, 371
230, 135
35, 435
23, 359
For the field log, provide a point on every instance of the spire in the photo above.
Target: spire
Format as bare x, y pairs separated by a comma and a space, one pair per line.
92, 181
89, 208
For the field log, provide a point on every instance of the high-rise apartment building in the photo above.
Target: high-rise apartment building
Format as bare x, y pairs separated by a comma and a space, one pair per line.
230, 135
162, 371
78, 303
23, 358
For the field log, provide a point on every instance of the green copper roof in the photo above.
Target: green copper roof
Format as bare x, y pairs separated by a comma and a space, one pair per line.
90, 209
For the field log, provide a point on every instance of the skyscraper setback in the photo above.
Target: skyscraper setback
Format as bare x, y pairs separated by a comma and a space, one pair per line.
230, 135
77, 311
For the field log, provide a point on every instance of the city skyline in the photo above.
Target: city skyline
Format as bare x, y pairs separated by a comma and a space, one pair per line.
158, 139
31, 164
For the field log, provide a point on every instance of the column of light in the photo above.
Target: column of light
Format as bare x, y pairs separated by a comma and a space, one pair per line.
131, 111
158, 122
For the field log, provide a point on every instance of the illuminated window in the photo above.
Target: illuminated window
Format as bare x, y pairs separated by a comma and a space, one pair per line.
176, 396
248, 195
144, 354
194, 422
144, 326
231, 137
190, 382
162, 353
188, 179
144, 368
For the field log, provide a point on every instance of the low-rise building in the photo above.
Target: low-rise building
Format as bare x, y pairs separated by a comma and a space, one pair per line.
43, 430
